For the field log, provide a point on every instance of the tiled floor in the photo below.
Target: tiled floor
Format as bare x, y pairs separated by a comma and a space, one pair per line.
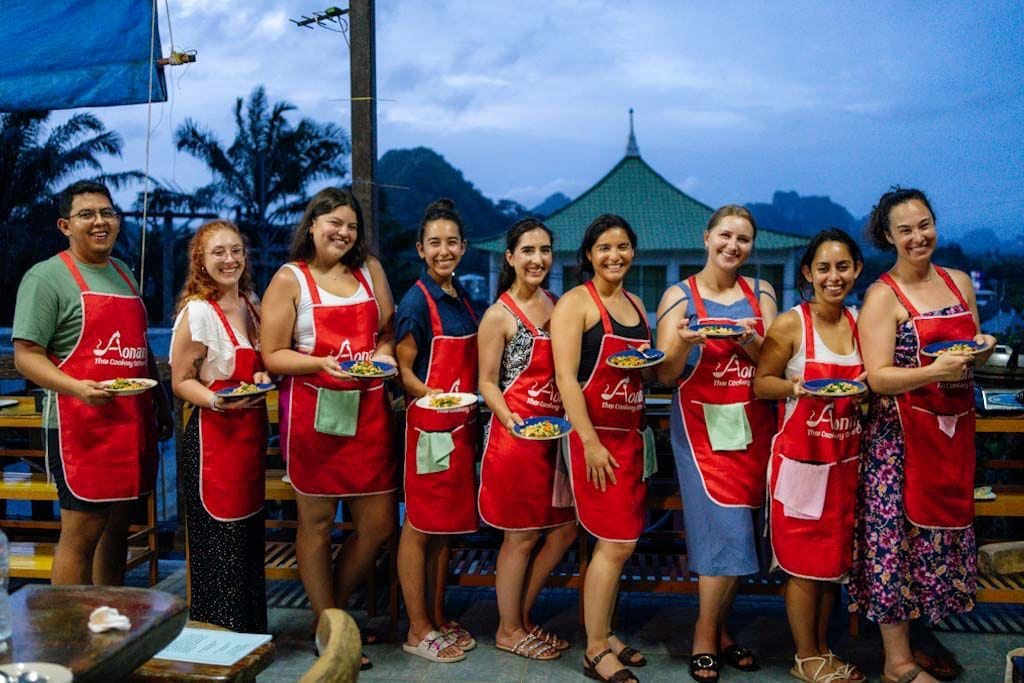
658, 625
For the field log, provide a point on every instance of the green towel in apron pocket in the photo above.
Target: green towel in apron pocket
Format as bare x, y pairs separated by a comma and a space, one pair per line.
728, 427
650, 453
433, 452
337, 412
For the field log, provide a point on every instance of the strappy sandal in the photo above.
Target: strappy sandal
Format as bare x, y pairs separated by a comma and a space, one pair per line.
620, 676
627, 653
704, 661
734, 653
907, 676
550, 638
850, 672
457, 633
531, 647
817, 677
430, 648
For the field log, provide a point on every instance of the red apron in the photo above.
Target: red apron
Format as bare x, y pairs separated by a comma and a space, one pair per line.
324, 464
724, 375
615, 404
938, 426
109, 451
517, 475
826, 433
444, 502
233, 443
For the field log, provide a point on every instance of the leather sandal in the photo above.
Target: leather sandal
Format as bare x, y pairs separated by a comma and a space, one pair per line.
627, 653
907, 676
704, 661
620, 676
734, 653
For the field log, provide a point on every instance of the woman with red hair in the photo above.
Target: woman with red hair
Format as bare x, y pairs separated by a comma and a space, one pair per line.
214, 347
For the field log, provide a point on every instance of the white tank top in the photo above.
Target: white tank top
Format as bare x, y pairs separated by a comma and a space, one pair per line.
302, 335
796, 365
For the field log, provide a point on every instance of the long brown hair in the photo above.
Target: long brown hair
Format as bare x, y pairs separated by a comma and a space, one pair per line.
199, 285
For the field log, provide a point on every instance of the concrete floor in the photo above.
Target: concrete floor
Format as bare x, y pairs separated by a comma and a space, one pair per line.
658, 625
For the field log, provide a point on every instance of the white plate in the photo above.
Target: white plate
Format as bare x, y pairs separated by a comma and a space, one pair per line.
464, 400
150, 383
55, 673
8, 402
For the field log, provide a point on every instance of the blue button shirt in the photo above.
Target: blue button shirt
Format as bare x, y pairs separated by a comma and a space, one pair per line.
413, 317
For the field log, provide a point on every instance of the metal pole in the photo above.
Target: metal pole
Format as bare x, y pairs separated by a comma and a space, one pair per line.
167, 249
364, 113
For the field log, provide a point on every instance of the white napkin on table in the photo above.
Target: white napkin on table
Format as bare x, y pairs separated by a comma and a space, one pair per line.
106, 618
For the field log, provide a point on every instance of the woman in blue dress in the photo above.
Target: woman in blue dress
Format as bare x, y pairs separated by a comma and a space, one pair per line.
721, 468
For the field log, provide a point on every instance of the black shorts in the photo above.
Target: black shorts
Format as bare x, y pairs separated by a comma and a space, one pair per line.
67, 500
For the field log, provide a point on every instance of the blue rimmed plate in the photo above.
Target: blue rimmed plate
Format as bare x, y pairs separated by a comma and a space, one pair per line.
360, 369
719, 330
834, 388
631, 359
128, 386
533, 428
243, 391
966, 345
1007, 400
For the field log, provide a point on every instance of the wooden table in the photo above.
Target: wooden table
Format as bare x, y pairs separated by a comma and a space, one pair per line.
50, 625
242, 671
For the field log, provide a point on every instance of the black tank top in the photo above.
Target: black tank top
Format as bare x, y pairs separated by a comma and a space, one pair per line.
591, 345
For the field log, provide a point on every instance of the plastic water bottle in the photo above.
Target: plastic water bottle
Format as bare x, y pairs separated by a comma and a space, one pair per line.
5, 605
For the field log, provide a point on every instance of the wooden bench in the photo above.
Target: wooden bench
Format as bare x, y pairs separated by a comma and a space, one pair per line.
34, 560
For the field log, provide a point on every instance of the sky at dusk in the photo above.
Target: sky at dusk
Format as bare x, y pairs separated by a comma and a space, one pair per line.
733, 100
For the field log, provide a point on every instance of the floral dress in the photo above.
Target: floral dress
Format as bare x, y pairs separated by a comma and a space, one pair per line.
900, 571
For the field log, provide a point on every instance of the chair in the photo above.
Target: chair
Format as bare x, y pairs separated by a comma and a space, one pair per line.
340, 648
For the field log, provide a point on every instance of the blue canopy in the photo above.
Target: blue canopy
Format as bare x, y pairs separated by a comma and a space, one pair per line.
64, 54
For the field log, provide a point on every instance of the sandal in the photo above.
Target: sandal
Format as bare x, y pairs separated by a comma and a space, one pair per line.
458, 635
627, 653
907, 677
430, 648
734, 653
704, 661
531, 647
620, 676
817, 677
943, 666
849, 671
550, 638
367, 665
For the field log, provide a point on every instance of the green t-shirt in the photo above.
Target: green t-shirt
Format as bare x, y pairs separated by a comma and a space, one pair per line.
48, 311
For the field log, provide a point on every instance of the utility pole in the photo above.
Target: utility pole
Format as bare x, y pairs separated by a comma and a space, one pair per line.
362, 51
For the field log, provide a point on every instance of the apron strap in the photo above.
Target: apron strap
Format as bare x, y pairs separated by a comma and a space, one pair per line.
755, 305
904, 301
808, 316
314, 291
358, 273
435, 317
224, 321
698, 302
509, 303
952, 286
853, 326
69, 261
551, 295
606, 319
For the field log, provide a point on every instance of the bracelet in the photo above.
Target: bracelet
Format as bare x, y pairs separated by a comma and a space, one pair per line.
213, 404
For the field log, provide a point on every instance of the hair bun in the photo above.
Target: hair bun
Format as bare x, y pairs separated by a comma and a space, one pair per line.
442, 204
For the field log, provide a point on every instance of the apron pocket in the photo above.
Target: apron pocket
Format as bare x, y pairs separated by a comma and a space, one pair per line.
433, 452
650, 453
801, 488
728, 427
337, 412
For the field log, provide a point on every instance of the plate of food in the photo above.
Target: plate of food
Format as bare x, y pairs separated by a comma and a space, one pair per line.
719, 330
631, 359
128, 386
542, 428
936, 349
834, 388
243, 391
368, 369
452, 400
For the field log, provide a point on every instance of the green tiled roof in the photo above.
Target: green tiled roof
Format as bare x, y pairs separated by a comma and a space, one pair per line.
664, 217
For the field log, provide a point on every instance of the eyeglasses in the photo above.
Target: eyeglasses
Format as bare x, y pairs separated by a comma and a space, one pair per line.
88, 215
220, 253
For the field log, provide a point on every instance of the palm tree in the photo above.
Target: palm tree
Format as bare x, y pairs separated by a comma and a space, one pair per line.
265, 175
34, 164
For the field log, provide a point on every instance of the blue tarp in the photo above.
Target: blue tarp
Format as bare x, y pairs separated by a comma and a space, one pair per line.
64, 54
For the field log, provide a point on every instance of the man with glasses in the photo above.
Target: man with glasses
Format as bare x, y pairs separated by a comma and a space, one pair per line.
79, 321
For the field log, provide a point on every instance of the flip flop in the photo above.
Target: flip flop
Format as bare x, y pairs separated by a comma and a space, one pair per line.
531, 647
430, 648
944, 668
907, 676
